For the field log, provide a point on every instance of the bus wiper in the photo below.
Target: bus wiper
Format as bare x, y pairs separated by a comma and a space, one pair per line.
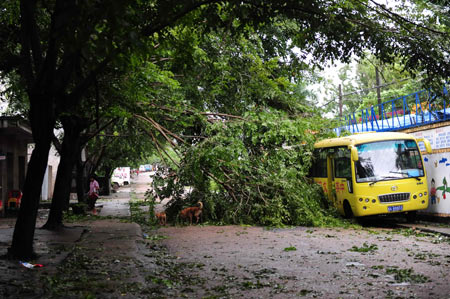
399, 172
383, 179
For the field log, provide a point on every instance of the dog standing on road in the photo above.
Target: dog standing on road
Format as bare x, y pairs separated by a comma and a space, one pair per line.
191, 212
161, 216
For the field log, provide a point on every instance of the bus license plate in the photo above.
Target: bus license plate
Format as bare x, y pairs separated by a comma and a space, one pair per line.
395, 208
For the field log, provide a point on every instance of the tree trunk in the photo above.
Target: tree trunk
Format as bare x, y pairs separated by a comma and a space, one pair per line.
69, 149
42, 123
22, 242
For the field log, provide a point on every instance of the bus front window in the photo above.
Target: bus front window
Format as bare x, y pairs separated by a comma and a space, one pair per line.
388, 160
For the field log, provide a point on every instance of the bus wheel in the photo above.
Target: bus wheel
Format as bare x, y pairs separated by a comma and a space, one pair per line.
115, 186
411, 216
347, 210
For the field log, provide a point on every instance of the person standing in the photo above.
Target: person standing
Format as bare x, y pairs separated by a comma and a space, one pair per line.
93, 194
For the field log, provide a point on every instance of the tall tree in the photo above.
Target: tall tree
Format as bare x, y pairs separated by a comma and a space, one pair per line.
59, 59
359, 84
101, 108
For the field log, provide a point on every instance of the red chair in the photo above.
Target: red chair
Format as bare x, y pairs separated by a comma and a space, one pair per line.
14, 198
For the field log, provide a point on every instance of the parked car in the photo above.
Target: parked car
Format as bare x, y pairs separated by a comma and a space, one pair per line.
120, 177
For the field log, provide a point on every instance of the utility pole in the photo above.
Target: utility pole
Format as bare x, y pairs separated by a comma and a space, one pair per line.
340, 100
377, 78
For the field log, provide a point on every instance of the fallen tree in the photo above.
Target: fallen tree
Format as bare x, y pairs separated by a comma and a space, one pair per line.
252, 171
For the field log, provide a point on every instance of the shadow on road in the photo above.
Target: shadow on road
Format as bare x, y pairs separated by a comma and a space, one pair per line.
382, 221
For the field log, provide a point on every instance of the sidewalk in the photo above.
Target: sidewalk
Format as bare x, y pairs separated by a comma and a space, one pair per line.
116, 204
101, 250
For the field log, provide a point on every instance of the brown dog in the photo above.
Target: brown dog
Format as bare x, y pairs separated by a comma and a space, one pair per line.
188, 213
161, 216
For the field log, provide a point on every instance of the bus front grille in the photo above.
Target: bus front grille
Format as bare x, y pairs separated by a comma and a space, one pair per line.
394, 197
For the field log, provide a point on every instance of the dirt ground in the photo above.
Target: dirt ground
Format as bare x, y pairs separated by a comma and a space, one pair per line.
112, 257
234, 261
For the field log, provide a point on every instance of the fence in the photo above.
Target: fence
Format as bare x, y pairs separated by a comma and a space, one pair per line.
416, 109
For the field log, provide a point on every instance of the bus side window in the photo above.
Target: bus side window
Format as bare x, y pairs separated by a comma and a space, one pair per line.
342, 164
413, 159
319, 166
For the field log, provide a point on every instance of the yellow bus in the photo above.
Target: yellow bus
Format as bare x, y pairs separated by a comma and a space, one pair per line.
372, 173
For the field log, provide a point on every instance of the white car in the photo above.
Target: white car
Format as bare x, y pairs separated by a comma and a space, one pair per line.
120, 177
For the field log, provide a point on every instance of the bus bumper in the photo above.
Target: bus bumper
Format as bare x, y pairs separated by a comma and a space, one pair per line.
374, 208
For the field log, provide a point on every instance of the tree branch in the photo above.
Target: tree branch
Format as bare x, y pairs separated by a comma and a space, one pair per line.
28, 25
99, 129
394, 16
56, 143
190, 111
159, 147
81, 88
168, 20
161, 129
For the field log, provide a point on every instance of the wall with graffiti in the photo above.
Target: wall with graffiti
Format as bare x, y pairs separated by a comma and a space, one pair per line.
437, 166
438, 172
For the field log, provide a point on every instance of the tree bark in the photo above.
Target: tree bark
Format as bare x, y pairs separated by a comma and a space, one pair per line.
61, 195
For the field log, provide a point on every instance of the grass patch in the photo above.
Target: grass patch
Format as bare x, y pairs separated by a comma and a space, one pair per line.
407, 275
290, 248
365, 248
155, 237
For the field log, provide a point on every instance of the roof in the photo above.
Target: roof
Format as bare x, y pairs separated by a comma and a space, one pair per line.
15, 126
362, 138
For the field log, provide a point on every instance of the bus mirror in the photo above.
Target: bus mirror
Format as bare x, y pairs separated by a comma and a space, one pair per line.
427, 145
354, 153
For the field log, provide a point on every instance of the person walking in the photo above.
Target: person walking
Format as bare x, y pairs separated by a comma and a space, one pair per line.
93, 194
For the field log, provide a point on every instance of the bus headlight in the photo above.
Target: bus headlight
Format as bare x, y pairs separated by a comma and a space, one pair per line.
425, 193
415, 196
420, 194
367, 200
374, 201
360, 199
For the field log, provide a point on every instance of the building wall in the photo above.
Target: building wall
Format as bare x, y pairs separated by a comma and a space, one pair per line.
13, 149
50, 175
15, 153
437, 166
52, 167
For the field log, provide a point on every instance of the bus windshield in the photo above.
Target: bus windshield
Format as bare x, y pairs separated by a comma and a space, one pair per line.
388, 160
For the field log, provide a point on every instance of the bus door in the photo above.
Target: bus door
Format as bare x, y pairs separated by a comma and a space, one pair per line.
321, 171
342, 182
329, 179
